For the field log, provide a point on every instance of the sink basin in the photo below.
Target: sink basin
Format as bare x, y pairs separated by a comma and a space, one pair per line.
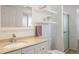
15, 45
22, 41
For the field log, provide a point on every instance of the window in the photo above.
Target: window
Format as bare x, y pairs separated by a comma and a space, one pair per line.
27, 20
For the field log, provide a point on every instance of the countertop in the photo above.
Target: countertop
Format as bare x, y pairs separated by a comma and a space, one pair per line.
21, 43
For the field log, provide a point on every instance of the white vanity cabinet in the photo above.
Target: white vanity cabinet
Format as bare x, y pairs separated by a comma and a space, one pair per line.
41, 48
28, 50
15, 52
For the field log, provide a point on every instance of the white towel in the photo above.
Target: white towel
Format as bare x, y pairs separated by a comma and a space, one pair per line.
56, 52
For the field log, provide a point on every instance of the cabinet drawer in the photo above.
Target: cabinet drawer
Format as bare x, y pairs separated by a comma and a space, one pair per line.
28, 50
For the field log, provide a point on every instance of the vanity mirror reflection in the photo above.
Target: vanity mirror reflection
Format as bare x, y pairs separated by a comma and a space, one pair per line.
16, 16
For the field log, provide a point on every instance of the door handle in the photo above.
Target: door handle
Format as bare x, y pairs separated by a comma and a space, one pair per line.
64, 32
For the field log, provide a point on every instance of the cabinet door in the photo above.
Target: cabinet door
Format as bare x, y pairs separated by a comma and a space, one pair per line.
15, 52
45, 31
42, 48
28, 50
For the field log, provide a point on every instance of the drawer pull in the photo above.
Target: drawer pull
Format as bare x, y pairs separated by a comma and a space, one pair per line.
42, 48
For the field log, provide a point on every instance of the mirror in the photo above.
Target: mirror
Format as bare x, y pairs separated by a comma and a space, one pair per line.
16, 16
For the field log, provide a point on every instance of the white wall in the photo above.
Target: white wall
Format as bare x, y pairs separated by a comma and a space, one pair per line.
0, 16
71, 10
60, 41
78, 23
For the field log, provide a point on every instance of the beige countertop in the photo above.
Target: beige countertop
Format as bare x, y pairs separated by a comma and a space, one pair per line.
20, 43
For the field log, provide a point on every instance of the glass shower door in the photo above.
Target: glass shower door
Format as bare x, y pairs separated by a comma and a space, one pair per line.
66, 31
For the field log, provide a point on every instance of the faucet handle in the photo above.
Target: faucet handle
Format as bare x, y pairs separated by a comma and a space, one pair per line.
13, 35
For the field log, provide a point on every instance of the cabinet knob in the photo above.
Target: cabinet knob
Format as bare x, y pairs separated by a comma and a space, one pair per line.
43, 48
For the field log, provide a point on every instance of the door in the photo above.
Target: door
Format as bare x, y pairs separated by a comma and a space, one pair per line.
66, 31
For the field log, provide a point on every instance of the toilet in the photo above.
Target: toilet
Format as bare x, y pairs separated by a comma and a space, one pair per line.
55, 52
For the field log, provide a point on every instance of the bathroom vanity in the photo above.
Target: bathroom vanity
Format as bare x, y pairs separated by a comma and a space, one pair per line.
41, 48
26, 46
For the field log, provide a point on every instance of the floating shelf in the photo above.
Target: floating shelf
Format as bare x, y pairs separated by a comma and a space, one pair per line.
45, 22
48, 11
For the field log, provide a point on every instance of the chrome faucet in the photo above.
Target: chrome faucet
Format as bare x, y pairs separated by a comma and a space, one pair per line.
13, 39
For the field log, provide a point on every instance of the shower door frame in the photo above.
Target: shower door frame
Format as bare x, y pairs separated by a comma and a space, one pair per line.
68, 30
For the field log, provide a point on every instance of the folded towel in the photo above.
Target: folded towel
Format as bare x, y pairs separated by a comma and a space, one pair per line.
38, 31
